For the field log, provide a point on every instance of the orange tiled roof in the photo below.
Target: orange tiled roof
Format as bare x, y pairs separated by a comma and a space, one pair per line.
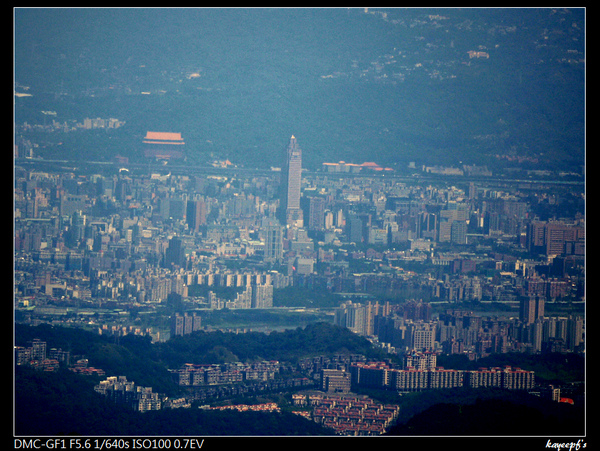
164, 135
161, 137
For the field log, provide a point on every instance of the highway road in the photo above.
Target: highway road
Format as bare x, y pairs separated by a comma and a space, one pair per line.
85, 166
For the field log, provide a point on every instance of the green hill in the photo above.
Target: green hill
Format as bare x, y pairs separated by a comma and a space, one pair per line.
289, 345
63, 403
147, 364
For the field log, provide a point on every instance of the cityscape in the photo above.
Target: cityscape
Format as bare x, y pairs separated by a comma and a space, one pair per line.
335, 297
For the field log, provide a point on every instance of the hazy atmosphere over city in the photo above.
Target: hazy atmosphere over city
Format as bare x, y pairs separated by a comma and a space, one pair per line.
298, 221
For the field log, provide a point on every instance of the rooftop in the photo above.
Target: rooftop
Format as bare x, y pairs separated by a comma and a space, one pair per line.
163, 137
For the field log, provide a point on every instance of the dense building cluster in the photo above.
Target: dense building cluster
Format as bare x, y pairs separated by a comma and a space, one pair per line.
456, 331
471, 243
347, 414
381, 375
106, 243
37, 356
144, 237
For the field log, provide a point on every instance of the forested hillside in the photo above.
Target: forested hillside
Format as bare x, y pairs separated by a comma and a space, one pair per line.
289, 345
64, 403
147, 363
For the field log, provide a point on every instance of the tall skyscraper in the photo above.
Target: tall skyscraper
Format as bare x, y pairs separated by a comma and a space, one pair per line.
291, 213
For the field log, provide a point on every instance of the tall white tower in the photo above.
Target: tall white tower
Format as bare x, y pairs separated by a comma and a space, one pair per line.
291, 178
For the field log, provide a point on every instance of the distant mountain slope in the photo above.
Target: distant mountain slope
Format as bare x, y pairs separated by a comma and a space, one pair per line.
398, 85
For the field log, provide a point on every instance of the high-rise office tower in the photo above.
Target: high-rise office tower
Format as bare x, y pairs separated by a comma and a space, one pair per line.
355, 226
531, 308
316, 219
273, 242
458, 232
175, 253
291, 213
195, 214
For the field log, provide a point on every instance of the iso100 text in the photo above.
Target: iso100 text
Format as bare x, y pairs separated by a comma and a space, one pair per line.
107, 443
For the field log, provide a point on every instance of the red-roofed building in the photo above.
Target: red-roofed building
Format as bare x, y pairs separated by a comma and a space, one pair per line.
163, 145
